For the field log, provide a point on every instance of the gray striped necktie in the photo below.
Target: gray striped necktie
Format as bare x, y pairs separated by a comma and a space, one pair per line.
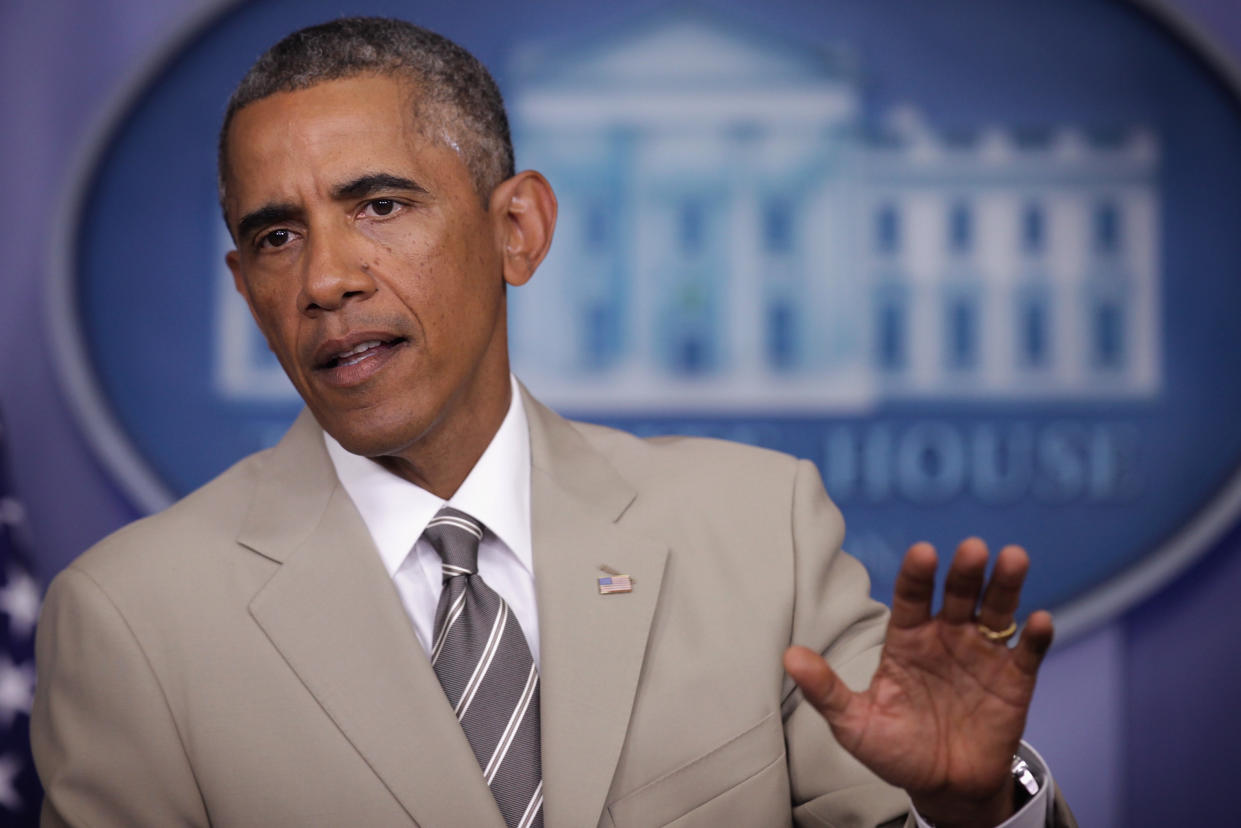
485, 667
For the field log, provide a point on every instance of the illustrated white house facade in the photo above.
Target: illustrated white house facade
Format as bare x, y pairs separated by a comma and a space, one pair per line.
1011, 263
734, 237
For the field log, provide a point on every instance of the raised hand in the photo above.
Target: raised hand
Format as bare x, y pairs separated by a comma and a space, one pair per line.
946, 709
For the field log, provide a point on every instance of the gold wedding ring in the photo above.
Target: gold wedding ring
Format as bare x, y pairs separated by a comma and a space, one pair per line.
998, 635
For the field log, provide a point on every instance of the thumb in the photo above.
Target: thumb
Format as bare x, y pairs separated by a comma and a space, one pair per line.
818, 682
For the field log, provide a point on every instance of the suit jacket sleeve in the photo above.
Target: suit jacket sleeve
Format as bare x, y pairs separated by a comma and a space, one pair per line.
834, 614
104, 740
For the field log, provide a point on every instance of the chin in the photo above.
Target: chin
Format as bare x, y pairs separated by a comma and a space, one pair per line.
358, 433
368, 436
370, 443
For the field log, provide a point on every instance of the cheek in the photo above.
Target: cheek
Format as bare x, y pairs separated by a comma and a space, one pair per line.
398, 252
445, 277
278, 328
422, 274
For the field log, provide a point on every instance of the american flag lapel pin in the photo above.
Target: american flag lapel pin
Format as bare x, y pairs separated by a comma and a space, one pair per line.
615, 582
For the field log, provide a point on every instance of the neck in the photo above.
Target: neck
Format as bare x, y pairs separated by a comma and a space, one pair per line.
442, 459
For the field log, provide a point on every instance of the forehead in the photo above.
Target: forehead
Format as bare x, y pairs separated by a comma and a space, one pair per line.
323, 134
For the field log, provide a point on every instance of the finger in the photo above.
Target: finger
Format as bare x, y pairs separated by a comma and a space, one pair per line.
964, 581
818, 682
1035, 641
915, 587
1003, 592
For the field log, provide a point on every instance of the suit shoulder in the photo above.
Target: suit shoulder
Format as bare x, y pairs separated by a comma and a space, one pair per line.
209, 516
674, 458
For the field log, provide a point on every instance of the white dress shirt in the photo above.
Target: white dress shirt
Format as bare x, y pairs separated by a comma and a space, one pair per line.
1035, 812
497, 494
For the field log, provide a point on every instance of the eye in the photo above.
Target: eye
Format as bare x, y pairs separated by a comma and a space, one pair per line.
381, 206
276, 238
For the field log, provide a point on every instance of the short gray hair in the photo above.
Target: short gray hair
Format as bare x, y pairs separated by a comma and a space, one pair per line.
447, 76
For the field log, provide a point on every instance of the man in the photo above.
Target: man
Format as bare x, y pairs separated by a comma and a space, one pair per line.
314, 639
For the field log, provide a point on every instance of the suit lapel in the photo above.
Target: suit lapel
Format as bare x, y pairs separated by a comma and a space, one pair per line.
335, 616
592, 646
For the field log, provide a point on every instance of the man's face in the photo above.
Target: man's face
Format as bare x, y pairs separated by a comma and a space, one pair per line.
369, 263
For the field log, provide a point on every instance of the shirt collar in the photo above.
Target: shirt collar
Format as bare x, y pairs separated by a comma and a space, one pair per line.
496, 491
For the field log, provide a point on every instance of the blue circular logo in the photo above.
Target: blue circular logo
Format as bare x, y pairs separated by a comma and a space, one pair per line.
975, 260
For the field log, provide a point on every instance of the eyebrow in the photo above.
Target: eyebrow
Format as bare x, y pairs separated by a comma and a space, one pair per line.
366, 185
360, 187
265, 215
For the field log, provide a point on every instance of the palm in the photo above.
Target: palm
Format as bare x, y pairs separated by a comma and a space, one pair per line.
946, 708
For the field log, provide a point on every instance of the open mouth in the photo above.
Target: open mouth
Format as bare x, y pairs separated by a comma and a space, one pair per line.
361, 352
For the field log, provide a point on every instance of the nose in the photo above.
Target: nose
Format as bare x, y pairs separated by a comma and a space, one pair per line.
335, 273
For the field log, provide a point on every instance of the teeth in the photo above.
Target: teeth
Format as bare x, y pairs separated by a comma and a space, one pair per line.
359, 348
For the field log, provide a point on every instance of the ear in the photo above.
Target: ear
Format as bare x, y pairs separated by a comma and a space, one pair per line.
233, 259
524, 207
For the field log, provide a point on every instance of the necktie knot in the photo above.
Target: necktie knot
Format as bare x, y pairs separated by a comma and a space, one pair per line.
455, 536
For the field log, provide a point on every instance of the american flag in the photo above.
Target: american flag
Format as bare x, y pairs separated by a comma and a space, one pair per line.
20, 793
615, 583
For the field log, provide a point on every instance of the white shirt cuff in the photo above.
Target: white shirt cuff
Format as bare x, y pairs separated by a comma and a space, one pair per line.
1035, 812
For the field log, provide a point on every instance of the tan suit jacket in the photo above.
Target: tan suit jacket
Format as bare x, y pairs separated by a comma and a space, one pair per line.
243, 658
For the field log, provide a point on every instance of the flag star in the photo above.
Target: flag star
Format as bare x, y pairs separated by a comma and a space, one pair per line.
16, 690
19, 600
10, 767
12, 511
